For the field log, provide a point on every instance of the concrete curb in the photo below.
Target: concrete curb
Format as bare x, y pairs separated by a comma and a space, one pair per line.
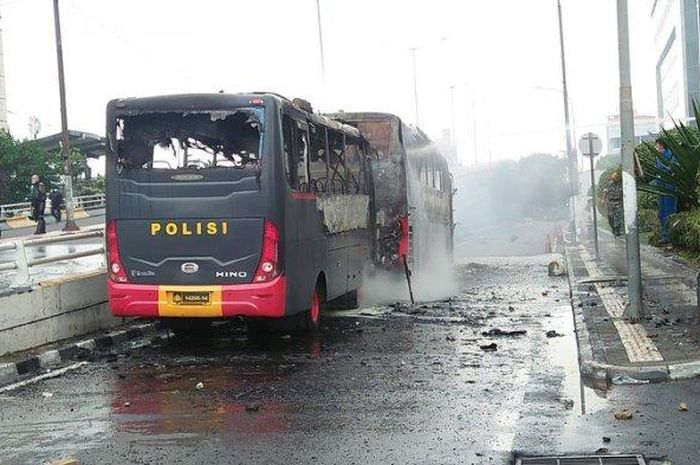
599, 371
676, 371
11, 372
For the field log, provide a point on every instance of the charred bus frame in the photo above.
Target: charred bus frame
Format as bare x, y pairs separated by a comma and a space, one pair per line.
413, 190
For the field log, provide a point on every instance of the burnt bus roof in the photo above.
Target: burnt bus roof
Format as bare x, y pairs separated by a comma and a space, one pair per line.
215, 101
354, 117
413, 137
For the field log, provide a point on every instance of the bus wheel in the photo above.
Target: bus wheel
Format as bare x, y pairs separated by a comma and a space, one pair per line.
313, 316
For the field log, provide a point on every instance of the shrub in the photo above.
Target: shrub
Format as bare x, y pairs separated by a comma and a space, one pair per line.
677, 177
684, 230
648, 221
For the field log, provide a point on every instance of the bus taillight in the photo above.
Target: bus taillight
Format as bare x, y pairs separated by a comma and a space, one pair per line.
270, 266
114, 263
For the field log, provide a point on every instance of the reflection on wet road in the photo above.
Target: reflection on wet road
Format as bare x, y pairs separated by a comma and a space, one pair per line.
419, 385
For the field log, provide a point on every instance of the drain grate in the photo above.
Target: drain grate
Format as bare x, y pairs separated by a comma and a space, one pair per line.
583, 460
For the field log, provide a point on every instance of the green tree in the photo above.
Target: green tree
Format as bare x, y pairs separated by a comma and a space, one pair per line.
19, 160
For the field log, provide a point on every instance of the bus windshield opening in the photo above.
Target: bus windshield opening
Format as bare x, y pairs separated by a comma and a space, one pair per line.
170, 141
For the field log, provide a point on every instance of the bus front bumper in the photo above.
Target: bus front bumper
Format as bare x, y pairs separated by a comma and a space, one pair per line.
266, 300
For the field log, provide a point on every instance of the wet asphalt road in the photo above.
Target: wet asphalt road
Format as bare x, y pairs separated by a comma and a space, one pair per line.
379, 385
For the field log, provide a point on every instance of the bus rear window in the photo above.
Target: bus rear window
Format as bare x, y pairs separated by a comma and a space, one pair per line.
381, 134
202, 140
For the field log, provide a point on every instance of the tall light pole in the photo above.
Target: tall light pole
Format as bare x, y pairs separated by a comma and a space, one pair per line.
570, 153
65, 141
635, 309
415, 83
320, 40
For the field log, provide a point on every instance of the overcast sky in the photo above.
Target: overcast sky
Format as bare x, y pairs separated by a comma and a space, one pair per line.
497, 53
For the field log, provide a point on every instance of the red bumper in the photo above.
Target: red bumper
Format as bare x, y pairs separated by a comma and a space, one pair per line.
151, 301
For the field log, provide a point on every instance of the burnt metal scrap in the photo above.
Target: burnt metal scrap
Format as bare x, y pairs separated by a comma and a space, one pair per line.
343, 212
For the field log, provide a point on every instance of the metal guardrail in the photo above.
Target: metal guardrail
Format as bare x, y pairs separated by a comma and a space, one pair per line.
87, 202
23, 263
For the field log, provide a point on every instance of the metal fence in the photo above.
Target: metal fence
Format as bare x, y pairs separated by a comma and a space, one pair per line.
86, 202
23, 263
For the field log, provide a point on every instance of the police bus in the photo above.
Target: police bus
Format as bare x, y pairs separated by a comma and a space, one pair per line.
224, 205
414, 220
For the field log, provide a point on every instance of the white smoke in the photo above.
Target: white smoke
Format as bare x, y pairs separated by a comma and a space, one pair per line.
432, 264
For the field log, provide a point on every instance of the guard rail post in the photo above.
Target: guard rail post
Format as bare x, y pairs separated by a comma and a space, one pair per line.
22, 278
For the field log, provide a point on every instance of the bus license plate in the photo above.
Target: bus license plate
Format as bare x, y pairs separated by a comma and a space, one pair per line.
190, 297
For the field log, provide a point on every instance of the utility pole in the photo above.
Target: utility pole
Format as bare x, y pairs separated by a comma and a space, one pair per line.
635, 309
320, 40
415, 83
570, 153
65, 142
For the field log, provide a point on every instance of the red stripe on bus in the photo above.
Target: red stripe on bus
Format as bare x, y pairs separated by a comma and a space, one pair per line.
403, 242
264, 300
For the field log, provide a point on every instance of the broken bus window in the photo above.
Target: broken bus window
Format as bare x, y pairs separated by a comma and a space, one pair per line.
204, 140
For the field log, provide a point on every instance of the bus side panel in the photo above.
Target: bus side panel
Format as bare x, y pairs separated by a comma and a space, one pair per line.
340, 256
306, 252
358, 256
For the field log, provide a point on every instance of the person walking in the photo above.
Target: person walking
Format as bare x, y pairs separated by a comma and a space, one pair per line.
612, 199
56, 200
668, 204
37, 197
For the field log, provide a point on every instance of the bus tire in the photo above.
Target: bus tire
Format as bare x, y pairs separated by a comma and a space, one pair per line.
313, 314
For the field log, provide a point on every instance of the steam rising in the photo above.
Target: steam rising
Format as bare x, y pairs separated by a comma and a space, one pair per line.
431, 260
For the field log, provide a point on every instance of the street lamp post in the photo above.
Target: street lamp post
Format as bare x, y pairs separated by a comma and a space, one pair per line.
320, 40
570, 154
635, 309
70, 224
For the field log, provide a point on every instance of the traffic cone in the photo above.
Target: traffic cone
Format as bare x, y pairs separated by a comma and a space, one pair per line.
548, 244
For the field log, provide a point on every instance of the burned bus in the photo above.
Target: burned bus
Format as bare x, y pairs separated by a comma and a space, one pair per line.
223, 205
413, 222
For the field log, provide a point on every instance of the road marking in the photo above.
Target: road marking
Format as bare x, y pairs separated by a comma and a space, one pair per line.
636, 341
52, 374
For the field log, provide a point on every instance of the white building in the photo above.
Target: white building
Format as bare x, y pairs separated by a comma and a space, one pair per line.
645, 129
675, 29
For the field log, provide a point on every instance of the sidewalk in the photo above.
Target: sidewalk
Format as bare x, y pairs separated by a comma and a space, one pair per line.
664, 346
